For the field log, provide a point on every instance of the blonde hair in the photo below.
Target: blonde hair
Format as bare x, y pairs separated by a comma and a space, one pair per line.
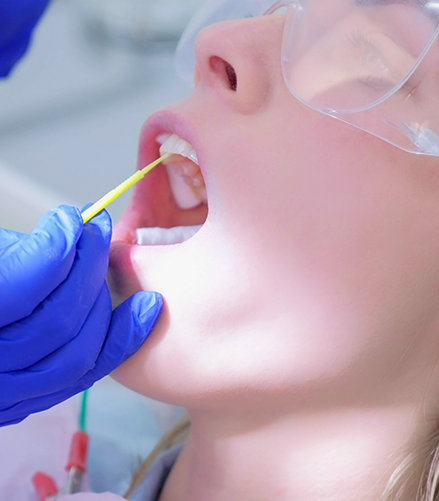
177, 434
418, 473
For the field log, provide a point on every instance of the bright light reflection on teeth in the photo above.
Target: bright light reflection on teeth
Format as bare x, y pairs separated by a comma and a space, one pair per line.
174, 144
165, 236
184, 174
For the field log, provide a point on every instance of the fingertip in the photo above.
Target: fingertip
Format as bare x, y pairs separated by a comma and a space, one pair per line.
150, 306
66, 218
137, 317
131, 323
55, 236
102, 221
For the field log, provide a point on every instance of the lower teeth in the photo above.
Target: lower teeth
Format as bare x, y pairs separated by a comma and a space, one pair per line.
165, 236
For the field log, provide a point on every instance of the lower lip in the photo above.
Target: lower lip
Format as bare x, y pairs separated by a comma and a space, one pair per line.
122, 253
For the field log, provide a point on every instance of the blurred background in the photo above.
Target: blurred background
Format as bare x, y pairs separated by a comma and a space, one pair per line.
70, 118
71, 112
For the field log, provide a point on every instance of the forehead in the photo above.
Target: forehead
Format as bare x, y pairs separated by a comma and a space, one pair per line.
430, 8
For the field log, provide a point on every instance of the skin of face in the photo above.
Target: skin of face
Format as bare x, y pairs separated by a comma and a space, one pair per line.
314, 282
301, 323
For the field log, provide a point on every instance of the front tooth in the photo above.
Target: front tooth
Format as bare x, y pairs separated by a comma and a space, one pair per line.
174, 144
193, 156
161, 138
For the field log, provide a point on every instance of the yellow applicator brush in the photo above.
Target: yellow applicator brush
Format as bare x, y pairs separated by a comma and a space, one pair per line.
113, 194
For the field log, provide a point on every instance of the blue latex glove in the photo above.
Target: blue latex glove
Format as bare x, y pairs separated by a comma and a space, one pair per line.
58, 334
17, 21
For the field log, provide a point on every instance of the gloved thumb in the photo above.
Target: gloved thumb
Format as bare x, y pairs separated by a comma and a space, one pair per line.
132, 322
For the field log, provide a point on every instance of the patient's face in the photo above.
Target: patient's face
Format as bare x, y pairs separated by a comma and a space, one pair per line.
318, 264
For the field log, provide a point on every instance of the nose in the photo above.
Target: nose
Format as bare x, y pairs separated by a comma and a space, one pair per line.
241, 60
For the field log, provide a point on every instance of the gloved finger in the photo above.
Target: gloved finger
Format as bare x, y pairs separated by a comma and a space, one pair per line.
17, 20
60, 317
8, 239
12, 52
65, 366
19, 17
32, 268
16, 412
131, 324
134, 320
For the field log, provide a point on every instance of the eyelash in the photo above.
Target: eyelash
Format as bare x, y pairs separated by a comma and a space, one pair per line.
357, 39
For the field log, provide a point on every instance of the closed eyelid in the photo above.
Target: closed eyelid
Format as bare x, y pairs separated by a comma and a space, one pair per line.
401, 58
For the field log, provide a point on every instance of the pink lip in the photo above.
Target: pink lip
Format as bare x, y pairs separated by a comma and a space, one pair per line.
152, 203
160, 122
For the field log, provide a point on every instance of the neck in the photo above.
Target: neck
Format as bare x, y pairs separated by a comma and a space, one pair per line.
342, 455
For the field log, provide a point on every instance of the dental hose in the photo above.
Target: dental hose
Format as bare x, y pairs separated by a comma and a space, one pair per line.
76, 466
83, 411
44, 485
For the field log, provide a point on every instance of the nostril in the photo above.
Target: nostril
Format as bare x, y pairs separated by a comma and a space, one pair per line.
225, 71
231, 75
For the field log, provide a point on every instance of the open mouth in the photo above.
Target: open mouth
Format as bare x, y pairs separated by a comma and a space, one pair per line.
186, 202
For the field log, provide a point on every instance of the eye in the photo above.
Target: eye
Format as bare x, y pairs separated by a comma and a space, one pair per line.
358, 39
378, 59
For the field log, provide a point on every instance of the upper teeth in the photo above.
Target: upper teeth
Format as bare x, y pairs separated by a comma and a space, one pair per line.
171, 143
187, 185
185, 178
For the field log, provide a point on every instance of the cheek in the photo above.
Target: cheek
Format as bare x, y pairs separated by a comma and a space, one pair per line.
300, 274
327, 202
334, 226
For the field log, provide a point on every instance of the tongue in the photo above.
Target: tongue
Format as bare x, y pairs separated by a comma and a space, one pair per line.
165, 236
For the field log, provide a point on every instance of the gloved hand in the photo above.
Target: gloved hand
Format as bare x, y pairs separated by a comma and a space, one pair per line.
17, 21
58, 334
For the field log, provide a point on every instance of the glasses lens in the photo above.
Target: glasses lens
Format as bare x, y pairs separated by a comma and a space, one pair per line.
349, 54
367, 62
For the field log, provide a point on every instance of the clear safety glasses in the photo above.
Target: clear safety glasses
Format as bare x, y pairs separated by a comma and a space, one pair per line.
371, 63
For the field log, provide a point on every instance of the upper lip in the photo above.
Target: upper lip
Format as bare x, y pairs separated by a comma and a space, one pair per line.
165, 122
